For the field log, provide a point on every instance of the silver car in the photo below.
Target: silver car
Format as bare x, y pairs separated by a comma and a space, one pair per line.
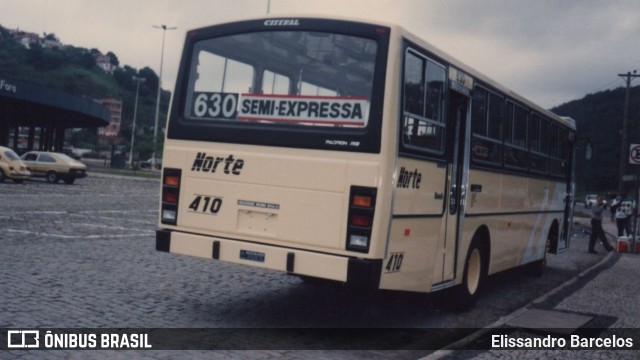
589, 200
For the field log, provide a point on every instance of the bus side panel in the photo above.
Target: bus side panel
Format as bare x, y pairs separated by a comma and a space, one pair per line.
414, 256
419, 188
411, 259
497, 202
547, 196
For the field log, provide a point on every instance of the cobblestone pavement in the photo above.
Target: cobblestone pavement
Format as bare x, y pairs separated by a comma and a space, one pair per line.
83, 256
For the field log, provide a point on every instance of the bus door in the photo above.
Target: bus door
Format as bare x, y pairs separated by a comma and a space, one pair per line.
561, 243
459, 127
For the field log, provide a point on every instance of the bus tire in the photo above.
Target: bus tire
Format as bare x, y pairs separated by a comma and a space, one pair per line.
473, 277
536, 268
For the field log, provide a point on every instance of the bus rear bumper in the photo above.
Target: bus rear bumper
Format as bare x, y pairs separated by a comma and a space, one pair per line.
352, 271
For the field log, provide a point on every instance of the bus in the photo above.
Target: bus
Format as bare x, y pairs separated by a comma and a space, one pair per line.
358, 153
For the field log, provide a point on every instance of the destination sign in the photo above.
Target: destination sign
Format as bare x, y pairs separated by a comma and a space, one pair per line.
329, 110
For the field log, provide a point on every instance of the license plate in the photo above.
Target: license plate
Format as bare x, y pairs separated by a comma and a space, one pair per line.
251, 255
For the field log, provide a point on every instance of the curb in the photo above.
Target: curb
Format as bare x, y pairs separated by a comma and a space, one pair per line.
118, 176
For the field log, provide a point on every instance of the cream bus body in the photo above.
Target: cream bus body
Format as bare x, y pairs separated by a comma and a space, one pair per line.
399, 200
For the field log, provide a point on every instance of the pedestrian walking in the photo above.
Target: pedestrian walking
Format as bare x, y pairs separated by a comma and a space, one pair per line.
622, 209
596, 226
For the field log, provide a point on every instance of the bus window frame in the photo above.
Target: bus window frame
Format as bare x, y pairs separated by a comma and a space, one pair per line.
367, 139
414, 151
537, 149
567, 142
509, 124
500, 141
560, 136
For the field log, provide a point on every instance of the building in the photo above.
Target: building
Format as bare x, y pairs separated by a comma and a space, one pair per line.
115, 118
104, 62
27, 39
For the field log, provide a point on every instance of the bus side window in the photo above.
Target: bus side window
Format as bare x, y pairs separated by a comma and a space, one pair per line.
538, 143
424, 94
516, 152
486, 125
560, 151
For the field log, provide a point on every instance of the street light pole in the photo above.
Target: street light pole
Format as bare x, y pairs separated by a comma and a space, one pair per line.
164, 29
624, 158
135, 114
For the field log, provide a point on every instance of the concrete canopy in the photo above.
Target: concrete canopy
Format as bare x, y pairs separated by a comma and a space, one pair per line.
24, 104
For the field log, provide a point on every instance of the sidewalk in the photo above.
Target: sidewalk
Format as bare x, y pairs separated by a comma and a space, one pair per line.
601, 304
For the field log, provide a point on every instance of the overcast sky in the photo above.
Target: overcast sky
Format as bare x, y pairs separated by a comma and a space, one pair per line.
551, 51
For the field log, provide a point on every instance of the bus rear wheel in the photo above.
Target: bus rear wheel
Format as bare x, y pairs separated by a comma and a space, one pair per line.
473, 278
537, 267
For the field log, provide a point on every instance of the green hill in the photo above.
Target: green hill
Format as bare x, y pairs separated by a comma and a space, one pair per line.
599, 119
74, 71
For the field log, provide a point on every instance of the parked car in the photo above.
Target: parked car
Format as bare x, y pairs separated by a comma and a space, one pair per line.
11, 167
589, 200
151, 163
71, 153
54, 166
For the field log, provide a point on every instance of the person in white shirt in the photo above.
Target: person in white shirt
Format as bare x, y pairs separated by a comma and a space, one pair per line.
623, 208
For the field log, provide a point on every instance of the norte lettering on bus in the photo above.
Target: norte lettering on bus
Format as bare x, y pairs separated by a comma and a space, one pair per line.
206, 163
409, 178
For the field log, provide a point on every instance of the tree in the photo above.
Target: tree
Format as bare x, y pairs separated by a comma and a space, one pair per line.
51, 37
80, 57
113, 59
151, 79
599, 120
124, 77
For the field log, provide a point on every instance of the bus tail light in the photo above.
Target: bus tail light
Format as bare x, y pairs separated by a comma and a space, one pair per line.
171, 179
362, 202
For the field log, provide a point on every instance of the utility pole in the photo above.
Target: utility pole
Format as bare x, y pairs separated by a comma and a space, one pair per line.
164, 29
138, 80
625, 127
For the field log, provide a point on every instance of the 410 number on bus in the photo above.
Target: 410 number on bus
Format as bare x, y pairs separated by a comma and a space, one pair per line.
206, 204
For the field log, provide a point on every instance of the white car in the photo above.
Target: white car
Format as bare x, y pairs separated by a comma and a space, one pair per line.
11, 167
151, 163
589, 200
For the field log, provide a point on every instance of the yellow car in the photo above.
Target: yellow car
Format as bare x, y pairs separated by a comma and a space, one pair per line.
12, 167
54, 166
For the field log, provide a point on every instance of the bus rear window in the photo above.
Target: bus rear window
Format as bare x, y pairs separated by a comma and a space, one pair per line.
299, 78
